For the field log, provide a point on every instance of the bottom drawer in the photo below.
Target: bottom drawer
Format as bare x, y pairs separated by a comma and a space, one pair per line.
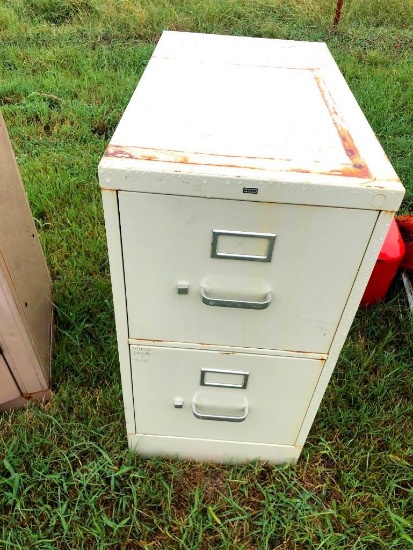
220, 395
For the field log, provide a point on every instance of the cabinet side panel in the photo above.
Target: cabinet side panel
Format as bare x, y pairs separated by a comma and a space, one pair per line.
113, 236
350, 310
20, 246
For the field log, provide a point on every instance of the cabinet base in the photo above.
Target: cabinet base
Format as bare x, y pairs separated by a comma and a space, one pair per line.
210, 450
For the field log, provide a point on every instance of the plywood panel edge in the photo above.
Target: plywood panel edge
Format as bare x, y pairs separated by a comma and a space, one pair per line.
24, 263
25, 400
17, 345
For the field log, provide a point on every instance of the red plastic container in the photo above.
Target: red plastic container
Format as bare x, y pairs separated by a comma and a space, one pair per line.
405, 224
387, 265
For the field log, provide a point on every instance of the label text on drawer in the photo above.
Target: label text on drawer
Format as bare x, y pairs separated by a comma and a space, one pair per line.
141, 354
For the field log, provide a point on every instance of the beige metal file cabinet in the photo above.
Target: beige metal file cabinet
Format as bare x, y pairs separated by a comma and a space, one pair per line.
246, 199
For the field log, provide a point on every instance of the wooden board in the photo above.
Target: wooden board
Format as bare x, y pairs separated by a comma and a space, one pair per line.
26, 289
8, 387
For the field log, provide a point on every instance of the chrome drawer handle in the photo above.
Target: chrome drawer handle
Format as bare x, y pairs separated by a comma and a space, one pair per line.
224, 418
223, 302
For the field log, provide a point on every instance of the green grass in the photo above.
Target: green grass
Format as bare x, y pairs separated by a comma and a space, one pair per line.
67, 481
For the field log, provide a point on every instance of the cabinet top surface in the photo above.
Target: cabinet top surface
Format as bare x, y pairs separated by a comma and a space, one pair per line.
252, 108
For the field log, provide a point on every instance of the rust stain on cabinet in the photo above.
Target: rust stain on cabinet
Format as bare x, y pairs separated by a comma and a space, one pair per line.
358, 168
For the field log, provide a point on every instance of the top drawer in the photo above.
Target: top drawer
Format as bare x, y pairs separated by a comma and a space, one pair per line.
261, 275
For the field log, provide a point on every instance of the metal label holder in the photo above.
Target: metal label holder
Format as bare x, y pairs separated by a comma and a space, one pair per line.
216, 233
240, 386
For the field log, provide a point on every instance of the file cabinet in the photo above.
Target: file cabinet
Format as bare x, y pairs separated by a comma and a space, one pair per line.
246, 199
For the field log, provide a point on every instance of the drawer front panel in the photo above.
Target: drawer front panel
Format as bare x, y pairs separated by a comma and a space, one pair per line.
272, 276
221, 396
